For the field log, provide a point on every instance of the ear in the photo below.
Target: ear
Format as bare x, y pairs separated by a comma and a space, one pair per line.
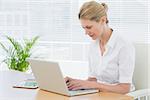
103, 19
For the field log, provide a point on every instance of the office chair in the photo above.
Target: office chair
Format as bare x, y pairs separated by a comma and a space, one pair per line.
141, 76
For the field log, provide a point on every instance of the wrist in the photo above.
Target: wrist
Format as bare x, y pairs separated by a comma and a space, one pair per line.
94, 85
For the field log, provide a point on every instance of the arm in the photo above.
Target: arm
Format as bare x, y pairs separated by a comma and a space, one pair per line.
91, 79
76, 84
122, 88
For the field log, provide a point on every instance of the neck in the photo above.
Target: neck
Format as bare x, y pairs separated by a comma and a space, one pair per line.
105, 37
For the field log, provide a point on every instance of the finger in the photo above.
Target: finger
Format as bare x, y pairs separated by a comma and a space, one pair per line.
72, 86
73, 82
70, 83
77, 87
67, 79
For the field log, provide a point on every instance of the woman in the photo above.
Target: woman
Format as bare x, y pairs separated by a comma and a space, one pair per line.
111, 59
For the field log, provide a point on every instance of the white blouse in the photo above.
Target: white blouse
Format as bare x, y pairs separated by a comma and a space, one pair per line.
117, 63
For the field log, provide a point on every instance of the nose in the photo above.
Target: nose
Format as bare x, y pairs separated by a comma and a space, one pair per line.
86, 32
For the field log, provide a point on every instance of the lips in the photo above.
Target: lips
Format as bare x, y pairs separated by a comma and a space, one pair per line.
91, 35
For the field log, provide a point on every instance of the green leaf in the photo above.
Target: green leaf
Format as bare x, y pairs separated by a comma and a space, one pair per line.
4, 48
17, 53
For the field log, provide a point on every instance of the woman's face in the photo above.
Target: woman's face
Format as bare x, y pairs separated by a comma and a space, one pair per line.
92, 28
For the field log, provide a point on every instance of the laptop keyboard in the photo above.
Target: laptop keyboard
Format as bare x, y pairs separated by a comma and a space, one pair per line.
77, 92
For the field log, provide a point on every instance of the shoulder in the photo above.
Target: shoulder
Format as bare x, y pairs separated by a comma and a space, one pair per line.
123, 42
124, 45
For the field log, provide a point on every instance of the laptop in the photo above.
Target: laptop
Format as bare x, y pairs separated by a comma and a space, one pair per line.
49, 77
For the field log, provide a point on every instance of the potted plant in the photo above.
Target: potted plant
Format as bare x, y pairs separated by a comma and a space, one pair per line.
17, 53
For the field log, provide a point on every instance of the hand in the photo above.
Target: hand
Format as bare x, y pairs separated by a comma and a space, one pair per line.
67, 79
76, 84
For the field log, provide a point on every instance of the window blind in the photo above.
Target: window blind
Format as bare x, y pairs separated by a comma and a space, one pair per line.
57, 24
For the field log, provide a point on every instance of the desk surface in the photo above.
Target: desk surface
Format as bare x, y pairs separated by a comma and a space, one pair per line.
8, 78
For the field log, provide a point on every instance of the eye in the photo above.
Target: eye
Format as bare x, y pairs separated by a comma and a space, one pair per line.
88, 27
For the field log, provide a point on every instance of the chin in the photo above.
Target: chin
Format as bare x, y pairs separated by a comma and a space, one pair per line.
93, 38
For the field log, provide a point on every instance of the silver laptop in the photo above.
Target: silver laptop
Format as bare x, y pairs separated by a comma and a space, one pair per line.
49, 77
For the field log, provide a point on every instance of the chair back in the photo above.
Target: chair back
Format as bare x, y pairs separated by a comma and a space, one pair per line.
141, 76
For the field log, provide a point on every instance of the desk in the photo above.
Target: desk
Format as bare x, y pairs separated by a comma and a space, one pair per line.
8, 78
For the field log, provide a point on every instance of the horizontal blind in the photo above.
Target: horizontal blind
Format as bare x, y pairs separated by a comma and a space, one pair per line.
57, 24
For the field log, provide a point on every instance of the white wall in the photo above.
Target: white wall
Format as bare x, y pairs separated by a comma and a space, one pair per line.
62, 37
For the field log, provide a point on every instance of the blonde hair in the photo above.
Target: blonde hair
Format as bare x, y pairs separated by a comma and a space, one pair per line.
93, 11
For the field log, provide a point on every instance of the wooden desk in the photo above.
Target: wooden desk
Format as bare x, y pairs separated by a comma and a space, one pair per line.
8, 78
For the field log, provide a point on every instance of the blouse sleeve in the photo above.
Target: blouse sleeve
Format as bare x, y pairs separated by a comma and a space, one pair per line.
126, 64
90, 64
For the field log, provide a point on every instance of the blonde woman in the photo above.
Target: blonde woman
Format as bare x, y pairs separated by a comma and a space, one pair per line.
111, 59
